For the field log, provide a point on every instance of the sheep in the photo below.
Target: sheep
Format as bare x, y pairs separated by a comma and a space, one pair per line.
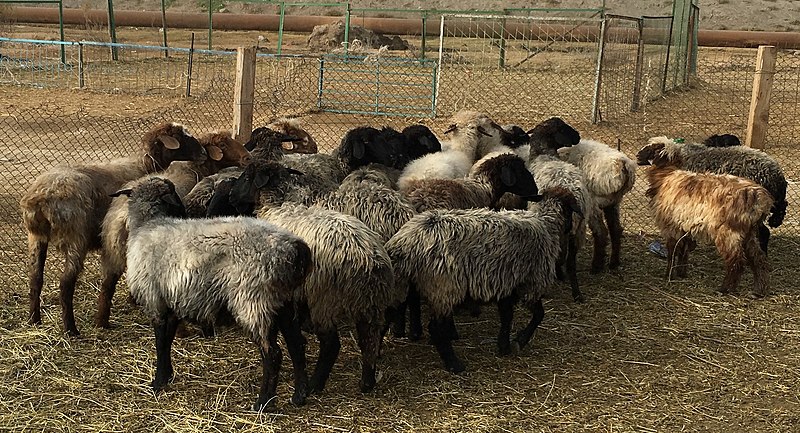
496, 176
66, 205
352, 282
363, 145
550, 135
737, 160
608, 175
293, 128
196, 269
264, 144
723, 140
223, 151
353, 278
722, 209
448, 255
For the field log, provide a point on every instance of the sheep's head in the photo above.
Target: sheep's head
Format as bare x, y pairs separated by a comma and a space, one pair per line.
224, 150
723, 140
548, 136
355, 148
292, 127
170, 142
472, 128
268, 143
260, 176
422, 141
509, 174
515, 136
152, 197
661, 148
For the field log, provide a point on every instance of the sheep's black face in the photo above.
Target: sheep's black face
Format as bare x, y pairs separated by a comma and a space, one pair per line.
421, 140
646, 154
179, 145
514, 136
220, 203
355, 146
266, 138
517, 179
724, 140
555, 133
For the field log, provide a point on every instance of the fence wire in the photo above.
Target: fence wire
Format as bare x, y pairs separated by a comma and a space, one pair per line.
519, 69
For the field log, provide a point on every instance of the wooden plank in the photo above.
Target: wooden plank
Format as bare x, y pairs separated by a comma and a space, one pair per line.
758, 120
244, 93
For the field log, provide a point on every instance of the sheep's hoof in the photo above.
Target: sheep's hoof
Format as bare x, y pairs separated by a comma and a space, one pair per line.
456, 366
578, 297
73, 332
515, 348
414, 336
299, 397
757, 295
158, 386
315, 387
504, 350
35, 319
260, 406
367, 386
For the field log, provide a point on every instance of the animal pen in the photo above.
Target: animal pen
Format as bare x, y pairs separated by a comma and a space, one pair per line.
618, 79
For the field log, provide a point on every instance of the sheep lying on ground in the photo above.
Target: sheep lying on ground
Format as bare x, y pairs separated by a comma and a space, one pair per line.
65, 206
443, 251
195, 269
293, 128
737, 160
721, 209
608, 175
223, 151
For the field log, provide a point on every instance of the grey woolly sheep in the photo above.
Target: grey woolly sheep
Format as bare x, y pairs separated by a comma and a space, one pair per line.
223, 151
737, 160
608, 175
66, 205
722, 209
441, 250
195, 269
352, 282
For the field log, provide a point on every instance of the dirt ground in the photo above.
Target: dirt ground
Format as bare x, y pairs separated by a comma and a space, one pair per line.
640, 355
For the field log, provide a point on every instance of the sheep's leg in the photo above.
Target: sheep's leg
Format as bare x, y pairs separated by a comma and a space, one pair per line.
757, 259
73, 266
734, 258
599, 240
38, 255
329, 346
369, 341
104, 300
414, 314
165, 328
271, 358
763, 237
396, 318
615, 229
672, 258
572, 269
296, 345
525, 334
505, 308
440, 336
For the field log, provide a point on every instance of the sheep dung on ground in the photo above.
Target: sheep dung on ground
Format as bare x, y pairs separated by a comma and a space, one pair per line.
441, 250
722, 209
65, 206
194, 269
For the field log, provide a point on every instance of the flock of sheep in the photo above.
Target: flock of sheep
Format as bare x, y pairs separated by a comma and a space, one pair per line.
278, 238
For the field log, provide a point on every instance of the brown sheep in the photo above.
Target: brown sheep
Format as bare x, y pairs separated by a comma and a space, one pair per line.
721, 209
66, 205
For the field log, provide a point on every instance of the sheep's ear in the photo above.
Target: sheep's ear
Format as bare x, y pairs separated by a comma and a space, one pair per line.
297, 172
169, 141
287, 145
359, 149
483, 131
507, 176
214, 152
172, 199
261, 180
126, 192
450, 128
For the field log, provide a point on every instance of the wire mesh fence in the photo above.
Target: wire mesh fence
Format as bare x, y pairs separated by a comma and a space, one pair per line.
519, 68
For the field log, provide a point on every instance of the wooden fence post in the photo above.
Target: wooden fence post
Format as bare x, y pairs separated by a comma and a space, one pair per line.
244, 92
759, 103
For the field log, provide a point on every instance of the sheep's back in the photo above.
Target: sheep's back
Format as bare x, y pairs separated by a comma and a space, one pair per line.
352, 276
480, 253
428, 194
450, 164
381, 208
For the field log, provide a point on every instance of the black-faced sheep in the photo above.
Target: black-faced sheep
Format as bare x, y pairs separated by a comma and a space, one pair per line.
721, 209
65, 206
736, 160
441, 250
195, 269
293, 128
223, 151
722, 140
364, 145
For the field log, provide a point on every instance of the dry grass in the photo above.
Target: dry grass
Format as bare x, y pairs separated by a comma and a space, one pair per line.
640, 355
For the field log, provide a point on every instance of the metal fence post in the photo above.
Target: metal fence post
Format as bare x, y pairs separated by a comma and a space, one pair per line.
637, 80
347, 30
424, 28
320, 82
189, 69
61, 30
280, 28
666, 60
164, 27
81, 81
598, 80
112, 30
503, 40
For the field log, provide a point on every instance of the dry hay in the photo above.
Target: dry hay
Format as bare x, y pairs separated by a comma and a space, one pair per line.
640, 355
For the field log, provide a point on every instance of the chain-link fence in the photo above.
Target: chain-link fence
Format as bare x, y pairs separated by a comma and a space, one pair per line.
519, 68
